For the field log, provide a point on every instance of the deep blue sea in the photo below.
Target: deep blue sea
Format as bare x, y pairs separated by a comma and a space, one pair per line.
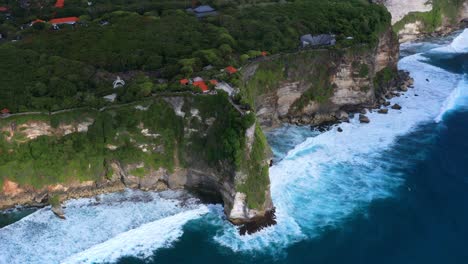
392, 191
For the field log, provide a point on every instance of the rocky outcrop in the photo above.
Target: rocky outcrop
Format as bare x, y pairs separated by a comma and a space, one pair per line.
320, 86
36, 128
189, 169
400, 8
419, 18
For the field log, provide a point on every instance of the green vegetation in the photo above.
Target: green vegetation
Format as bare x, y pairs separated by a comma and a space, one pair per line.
433, 19
266, 79
225, 139
154, 137
31, 81
311, 68
384, 77
83, 156
256, 167
54, 200
154, 44
363, 70
147, 40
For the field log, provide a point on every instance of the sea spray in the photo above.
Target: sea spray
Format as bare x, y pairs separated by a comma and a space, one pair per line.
327, 178
43, 238
316, 186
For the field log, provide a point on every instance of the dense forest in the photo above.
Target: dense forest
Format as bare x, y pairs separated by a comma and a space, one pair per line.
158, 42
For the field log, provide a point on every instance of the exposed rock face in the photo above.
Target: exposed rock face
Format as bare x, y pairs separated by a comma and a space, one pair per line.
35, 129
195, 174
347, 82
415, 28
400, 8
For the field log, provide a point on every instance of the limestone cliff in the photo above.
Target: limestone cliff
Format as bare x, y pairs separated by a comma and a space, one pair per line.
416, 18
317, 86
199, 143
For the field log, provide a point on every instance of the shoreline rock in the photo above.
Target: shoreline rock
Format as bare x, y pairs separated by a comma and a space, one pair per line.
383, 111
58, 211
396, 107
364, 119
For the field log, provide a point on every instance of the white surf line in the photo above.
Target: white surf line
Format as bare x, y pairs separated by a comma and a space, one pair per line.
43, 238
328, 177
140, 242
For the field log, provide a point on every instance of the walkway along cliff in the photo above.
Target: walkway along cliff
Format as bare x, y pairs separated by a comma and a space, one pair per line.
200, 143
317, 86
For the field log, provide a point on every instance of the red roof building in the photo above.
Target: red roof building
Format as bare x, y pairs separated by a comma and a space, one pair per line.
5, 111
60, 3
264, 53
37, 21
231, 70
3, 9
202, 85
64, 20
184, 81
214, 82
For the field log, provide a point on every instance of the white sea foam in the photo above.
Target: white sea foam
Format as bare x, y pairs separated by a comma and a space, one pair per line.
43, 238
140, 242
327, 178
318, 184
458, 45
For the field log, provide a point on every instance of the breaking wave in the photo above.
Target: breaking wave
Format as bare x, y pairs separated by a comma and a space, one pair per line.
331, 176
100, 229
322, 181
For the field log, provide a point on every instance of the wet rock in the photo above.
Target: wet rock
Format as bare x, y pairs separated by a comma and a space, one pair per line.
340, 129
364, 119
404, 88
363, 111
386, 103
58, 211
383, 111
396, 107
342, 116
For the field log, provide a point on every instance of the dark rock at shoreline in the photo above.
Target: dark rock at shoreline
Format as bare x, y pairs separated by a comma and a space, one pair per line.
340, 129
383, 111
58, 211
324, 127
364, 119
256, 225
396, 107
386, 103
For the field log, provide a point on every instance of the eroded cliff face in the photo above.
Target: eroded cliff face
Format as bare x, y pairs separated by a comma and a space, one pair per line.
400, 8
417, 18
189, 166
319, 86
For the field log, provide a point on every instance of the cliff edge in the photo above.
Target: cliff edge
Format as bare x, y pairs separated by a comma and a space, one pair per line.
195, 142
